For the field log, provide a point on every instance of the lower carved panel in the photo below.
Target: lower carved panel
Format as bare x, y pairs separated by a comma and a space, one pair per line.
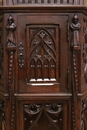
43, 116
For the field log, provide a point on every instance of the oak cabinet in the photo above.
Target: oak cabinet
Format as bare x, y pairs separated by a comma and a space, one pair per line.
43, 67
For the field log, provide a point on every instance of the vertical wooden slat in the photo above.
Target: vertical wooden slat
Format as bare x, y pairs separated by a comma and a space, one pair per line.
26, 1
15, 2
81, 2
52, 1
57, 1
45, 1
70, 1
39, 1
4, 2
33, 1
75, 2
64, 1
29, 1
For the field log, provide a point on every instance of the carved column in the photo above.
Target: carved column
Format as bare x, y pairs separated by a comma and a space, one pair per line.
11, 47
75, 56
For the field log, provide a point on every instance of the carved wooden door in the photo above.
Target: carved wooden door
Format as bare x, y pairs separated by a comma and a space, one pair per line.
42, 48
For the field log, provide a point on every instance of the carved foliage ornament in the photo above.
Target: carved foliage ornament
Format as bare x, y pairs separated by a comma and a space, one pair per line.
35, 113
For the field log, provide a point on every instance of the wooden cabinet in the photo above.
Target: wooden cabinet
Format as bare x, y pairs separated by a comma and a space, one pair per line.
43, 67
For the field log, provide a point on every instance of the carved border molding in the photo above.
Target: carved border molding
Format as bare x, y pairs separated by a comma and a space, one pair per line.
11, 47
75, 55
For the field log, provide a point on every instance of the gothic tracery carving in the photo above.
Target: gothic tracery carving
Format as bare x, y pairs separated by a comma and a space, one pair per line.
42, 56
35, 112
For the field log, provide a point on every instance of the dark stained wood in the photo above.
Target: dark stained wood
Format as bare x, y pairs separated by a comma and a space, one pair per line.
43, 65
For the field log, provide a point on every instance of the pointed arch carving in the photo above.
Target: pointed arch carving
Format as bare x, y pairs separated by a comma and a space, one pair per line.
42, 51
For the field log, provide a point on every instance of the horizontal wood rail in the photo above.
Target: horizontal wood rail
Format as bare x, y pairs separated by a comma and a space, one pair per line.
15, 2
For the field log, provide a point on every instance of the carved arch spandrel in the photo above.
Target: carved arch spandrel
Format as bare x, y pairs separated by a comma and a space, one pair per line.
49, 115
43, 53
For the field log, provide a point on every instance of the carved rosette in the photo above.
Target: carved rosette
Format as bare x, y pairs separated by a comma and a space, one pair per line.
11, 47
33, 114
75, 56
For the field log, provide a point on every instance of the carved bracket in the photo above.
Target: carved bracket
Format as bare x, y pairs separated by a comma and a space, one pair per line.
21, 54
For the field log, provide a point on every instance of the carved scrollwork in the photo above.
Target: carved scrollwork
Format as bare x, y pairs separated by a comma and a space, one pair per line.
35, 113
11, 27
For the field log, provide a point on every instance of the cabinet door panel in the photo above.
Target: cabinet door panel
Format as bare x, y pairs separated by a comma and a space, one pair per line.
43, 115
42, 53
